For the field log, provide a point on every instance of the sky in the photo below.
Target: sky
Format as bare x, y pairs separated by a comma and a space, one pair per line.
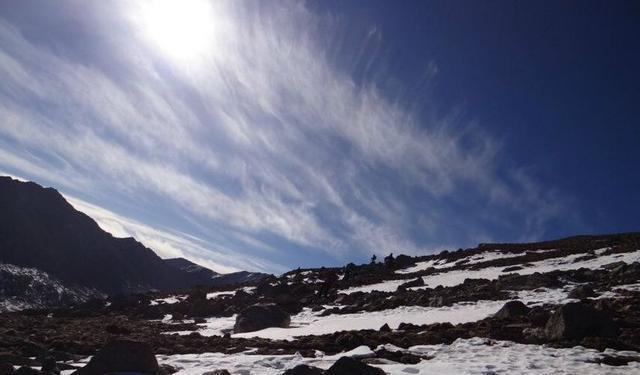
270, 135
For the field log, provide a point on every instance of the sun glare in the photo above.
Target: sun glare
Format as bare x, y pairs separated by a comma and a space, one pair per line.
184, 30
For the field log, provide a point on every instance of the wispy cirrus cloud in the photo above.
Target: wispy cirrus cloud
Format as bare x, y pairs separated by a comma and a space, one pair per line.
261, 147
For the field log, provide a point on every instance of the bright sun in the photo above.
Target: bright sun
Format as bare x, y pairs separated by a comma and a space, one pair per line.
182, 29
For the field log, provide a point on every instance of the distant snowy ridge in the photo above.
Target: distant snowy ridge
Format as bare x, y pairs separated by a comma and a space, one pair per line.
24, 288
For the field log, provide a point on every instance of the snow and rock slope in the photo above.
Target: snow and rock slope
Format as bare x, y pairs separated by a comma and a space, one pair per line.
28, 288
567, 306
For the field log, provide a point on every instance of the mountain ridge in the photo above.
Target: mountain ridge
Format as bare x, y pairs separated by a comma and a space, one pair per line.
40, 229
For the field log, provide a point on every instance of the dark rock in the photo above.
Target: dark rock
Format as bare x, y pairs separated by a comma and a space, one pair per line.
404, 261
122, 356
304, 370
261, 316
217, 372
410, 284
577, 320
350, 366
512, 309
617, 360
582, 292
512, 269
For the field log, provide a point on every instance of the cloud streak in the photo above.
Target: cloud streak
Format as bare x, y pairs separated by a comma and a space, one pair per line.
262, 149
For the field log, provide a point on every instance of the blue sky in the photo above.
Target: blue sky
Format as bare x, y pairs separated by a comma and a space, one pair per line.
276, 134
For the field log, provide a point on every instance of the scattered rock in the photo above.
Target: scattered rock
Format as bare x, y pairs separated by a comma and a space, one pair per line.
350, 366
122, 356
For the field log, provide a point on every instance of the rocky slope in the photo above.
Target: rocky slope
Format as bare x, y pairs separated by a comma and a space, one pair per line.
28, 288
565, 306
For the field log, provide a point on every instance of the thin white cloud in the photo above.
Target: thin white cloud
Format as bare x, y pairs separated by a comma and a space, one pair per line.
166, 243
262, 140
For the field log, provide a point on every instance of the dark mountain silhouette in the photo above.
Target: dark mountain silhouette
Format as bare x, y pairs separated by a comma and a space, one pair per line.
203, 276
40, 229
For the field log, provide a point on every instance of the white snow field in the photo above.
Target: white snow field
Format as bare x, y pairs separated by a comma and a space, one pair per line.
471, 356
309, 323
457, 277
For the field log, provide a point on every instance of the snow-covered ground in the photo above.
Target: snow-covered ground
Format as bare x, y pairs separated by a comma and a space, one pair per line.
473, 259
310, 323
27, 288
471, 356
457, 277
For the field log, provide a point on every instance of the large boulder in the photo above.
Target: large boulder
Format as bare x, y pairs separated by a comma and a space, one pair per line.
122, 356
512, 309
577, 320
304, 370
351, 366
261, 316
